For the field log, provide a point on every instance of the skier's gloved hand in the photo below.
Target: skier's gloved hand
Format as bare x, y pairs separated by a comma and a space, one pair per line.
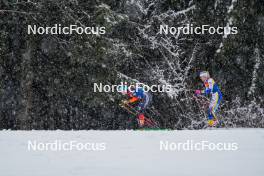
124, 102
197, 92
138, 108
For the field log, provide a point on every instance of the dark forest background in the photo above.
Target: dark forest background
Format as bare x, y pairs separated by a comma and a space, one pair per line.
46, 81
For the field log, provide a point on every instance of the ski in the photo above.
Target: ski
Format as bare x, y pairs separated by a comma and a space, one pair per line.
149, 121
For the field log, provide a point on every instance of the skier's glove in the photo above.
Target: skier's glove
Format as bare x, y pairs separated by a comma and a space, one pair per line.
197, 92
124, 101
138, 108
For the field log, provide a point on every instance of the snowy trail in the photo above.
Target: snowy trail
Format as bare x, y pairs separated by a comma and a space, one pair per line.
132, 153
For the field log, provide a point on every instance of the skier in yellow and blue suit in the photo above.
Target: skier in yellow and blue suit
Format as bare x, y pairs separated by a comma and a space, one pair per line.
216, 96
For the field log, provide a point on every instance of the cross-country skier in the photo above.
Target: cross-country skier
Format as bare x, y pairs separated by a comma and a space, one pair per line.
216, 96
140, 100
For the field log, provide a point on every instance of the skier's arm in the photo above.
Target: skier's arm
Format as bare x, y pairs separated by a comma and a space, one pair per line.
133, 99
206, 91
202, 92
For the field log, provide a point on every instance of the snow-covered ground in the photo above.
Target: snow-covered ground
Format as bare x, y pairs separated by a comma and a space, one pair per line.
132, 153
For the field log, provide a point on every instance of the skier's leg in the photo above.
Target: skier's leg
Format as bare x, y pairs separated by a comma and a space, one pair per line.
215, 111
142, 106
141, 116
141, 120
216, 107
212, 118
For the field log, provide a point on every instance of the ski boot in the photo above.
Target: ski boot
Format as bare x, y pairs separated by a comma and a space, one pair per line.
213, 123
141, 120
